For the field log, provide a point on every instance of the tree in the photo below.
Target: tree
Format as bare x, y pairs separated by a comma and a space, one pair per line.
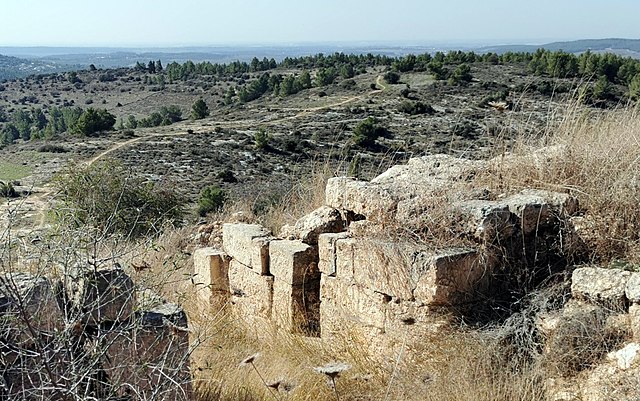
462, 74
212, 198
392, 77
634, 87
151, 67
92, 122
367, 131
9, 134
158, 66
199, 110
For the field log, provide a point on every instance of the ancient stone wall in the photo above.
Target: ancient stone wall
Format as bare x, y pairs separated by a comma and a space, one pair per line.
90, 335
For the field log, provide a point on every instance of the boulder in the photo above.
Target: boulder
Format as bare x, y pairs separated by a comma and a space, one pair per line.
293, 262
632, 289
149, 357
28, 303
248, 244
100, 295
625, 357
600, 286
322, 220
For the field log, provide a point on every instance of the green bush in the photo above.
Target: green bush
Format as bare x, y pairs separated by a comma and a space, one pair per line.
7, 190
415, 108
262, 139
367, 131
110, 197
212, 198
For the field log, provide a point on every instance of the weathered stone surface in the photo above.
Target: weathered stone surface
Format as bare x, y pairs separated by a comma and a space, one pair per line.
104, 295
28, 302
296, 308
322, 220
632, 289
149, 357
537, 209
486, 220
293, 262
327, 257
248, 244
608, 382
454, 277
251, 293
576, 335
625, 357
348, 304
360, 197
211, 273
600, 286
634, 321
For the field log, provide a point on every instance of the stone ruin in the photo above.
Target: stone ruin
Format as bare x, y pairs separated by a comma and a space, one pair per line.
338, 270
343, 272
90, 335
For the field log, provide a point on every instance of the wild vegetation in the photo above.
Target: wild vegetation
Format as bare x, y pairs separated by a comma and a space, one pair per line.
256, 142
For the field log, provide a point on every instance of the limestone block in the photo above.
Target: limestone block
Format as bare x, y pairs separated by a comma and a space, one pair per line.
248, 244
346, 303
296, 308
634, 321
537, 209
322, 220
454, 277
600, 286
149, 357
35, 297
251, 293
327, 255
632, 289
211, 273
382, 266
360, 197
103, 295
624, 358
485, 220
293, 262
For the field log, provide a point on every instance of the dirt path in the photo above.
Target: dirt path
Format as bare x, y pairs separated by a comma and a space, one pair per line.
40, 200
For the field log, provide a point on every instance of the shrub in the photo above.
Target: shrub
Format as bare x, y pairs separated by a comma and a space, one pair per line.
7, 190
392, 77
212, 198
51, 148
262, 138
199, 110
367, 131
110, 197
415, 108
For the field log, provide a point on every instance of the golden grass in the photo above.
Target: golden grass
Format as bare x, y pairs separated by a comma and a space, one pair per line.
594, 156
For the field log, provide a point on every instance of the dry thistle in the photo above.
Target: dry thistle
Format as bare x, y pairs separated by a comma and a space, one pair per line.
332, 371
249, 361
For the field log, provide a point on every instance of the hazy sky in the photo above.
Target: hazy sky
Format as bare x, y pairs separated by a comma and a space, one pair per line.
200, 22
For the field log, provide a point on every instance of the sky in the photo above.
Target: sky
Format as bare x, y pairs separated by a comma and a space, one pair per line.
122, 23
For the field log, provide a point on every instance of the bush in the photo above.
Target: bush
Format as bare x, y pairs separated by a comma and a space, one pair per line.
199, 110
262, 138
212, 198
110, 197
392, 77
50, 148
7, 190
415, 108
367, 131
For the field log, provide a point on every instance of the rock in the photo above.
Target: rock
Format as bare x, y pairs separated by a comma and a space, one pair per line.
293, 262
149, 357
600, 286
625, 357
251, 293
537, 209
632, 289
608, 382
359, 197
103, 295
296, 308
488, 221
24, 296
211, 274
453, 277
327, 252
322, 220
575, 337
248, 244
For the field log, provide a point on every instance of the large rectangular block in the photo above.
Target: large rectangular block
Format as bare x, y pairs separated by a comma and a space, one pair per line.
327, 256
360, 197
296, 308
346, 303
248, 244
251, 293
211, 273
454, 277
293, 262
634, 321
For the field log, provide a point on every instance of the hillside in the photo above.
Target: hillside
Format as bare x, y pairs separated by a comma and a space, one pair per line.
626, 47
13, 67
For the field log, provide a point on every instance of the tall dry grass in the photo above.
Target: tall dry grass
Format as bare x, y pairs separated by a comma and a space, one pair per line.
595, 156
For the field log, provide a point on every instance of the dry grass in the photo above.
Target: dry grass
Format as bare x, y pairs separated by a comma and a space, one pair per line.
594, 156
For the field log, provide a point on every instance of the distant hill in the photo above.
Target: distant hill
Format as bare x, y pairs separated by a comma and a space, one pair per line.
624, 47
13, 67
